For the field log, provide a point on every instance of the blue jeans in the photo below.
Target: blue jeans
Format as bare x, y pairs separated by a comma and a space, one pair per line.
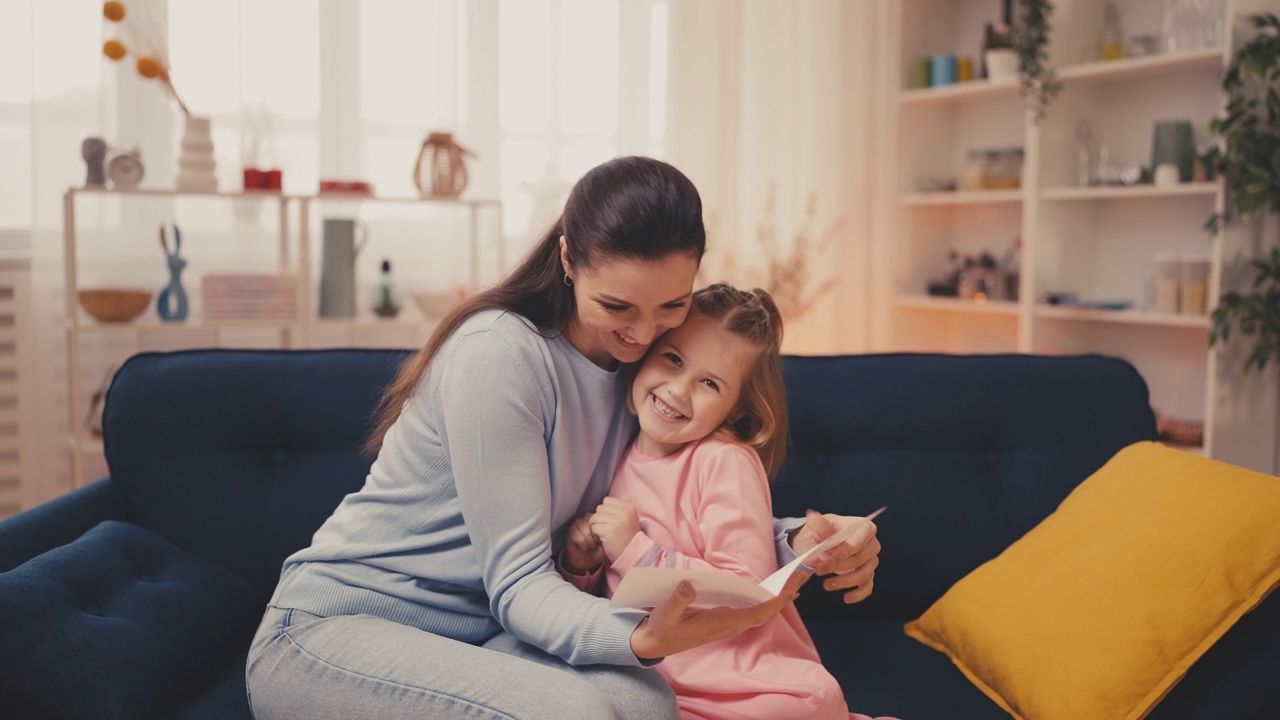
360, 666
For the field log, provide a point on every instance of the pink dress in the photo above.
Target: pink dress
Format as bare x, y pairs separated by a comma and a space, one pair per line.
708, 507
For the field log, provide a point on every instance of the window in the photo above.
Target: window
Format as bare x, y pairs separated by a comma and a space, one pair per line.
254, 69
562, 89
409, 67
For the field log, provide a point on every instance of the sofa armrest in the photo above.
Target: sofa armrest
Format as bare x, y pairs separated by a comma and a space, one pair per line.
57, 522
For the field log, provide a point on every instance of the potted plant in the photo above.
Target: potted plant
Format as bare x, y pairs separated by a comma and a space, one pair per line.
1040, 84
998, 54
1249, 133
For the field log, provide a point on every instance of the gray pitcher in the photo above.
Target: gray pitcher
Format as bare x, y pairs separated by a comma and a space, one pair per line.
343, 240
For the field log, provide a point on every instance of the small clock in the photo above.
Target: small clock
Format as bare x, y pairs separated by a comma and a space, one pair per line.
125, 170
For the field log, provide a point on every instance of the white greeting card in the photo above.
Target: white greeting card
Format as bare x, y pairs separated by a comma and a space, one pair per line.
645, 587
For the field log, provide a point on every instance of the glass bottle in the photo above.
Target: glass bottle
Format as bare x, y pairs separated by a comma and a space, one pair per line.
1011, 270
988, 41
973, 174
1084, 153
386, 299
1111, 35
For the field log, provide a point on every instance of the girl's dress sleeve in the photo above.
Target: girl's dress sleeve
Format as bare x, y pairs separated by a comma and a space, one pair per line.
591, 582
734, 517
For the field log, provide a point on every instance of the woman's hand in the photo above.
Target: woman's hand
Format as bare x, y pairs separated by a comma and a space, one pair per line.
674, 626
583, 553
615, 522
852, 564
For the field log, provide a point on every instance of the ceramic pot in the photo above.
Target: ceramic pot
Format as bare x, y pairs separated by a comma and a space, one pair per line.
197, 170
1002, 64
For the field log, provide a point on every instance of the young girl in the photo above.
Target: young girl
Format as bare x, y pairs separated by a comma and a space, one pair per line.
692, 491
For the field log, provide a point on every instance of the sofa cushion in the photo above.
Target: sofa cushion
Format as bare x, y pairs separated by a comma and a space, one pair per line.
885, 673
968, 453
221, 696
1104, 606
238, 456
1236, 678
114, 624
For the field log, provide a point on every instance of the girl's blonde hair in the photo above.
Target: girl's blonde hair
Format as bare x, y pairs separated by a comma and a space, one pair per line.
760, 419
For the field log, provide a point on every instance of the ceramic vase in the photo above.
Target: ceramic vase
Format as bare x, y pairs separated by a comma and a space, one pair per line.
441, 171
171, 303
1174, 142
197, 170
343, 240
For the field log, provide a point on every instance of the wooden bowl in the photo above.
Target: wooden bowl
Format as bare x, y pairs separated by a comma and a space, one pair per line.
110, 305
436, 303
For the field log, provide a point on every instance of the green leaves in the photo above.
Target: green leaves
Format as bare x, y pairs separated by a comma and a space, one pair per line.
1250, 162
1256, 313
1250, 128
1040, 84
1213, 225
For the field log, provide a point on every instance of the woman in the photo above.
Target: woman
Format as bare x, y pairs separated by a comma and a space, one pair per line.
432, 591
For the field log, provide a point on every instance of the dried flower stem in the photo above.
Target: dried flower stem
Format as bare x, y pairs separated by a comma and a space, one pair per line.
787, 272
173, 92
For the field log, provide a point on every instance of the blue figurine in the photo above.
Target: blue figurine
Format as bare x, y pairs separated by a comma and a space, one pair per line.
171, 304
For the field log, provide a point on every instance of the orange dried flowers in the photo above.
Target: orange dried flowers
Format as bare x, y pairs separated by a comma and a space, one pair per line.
151, 61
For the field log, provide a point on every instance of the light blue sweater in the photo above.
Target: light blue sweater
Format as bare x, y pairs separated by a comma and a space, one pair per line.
508, 438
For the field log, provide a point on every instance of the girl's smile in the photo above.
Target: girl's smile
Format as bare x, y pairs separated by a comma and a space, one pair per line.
667, 412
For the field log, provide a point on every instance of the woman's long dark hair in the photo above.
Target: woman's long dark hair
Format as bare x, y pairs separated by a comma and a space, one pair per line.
629, 208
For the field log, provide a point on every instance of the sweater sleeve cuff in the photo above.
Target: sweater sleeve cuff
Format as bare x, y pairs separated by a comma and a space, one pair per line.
608, 636
586, 582
638, 553
783, 529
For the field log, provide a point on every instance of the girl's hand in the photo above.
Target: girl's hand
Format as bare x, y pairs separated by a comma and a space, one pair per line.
583, 553
615, 523
852, 565
674, 626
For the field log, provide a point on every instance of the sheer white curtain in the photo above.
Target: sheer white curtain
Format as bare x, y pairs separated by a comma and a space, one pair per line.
51, 86
745, 96
540, 89
777, 96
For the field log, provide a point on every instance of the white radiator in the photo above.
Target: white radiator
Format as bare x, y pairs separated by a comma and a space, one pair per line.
15, 279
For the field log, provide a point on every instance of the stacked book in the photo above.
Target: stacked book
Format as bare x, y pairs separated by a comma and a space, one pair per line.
249, 297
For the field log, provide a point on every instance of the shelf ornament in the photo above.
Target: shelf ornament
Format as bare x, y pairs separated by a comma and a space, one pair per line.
94, 152
171, 304
441, 170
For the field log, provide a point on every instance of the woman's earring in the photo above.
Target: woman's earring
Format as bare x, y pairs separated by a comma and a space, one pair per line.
568, 280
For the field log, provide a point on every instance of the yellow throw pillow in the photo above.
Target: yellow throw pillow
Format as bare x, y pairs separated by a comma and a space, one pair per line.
1100, 609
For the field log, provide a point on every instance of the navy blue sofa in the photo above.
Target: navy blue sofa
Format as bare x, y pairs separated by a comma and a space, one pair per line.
137, 595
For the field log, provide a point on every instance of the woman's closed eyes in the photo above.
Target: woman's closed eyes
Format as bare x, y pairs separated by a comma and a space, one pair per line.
620, 308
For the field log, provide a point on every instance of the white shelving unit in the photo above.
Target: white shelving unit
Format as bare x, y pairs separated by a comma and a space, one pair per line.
1094, 241
297, 216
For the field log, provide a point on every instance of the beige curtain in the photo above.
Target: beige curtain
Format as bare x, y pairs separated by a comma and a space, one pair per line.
771, 114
